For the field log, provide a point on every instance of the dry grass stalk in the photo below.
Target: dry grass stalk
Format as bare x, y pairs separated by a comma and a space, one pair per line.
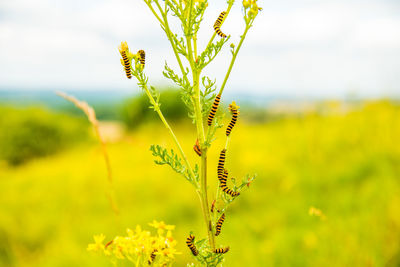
91, 115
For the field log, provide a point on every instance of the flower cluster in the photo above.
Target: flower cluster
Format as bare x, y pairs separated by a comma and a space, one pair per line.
140, 246
123, 48
252, 6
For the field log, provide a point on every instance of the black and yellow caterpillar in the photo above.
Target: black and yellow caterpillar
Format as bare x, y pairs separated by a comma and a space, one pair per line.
142, 57
221, 250
127, 64
192, 247
219, 224
213, 205
196, 148
222, 179
229, 191
218, 23
221, 163
213, 110
234, 110
152, 257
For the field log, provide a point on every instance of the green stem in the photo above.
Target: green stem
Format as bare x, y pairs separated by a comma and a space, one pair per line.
169, 36
234, 58
154, 13
200, 135
214, 33
171, 132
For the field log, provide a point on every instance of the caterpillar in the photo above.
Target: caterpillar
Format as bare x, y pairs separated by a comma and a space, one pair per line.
213, 206
218, 23
233, 108
221, 162
192, 247
126, 63
221, 250
152, 257
108, 244
213, 110
142, 57
219, 224
230, 192
222, 179
196, 148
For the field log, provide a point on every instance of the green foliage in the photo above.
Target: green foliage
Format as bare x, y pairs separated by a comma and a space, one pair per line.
198, 100
344, 161
135, 111
34, 132
210, 53
213, 130
187, 92
171, 159
207, 95
207, 257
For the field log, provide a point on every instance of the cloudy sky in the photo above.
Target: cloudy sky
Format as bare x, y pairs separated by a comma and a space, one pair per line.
297, 47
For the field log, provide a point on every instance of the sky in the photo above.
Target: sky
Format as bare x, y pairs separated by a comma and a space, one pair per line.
296, 47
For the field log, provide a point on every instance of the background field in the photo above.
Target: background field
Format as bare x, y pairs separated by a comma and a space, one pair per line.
341, 158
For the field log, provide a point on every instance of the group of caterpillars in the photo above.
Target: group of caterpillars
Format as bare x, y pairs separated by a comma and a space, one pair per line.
192, 247
233, 108
195, 252
221, 171
127, 63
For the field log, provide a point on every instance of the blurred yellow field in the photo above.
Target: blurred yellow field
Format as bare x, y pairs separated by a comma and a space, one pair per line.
343, 165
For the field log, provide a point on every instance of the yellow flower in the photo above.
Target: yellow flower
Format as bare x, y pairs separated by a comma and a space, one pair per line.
98, 243
140, 244
123, 47
233, 107
161, 226
169, 252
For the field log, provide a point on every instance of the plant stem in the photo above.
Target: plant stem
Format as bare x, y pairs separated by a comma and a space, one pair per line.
200, 135
234, 58
205, 207
214, 34
171, 132
169, 36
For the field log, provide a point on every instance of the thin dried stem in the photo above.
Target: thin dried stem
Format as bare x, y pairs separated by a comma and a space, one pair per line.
91, 115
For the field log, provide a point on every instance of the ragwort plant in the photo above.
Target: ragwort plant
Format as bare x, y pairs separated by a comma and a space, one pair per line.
200, 97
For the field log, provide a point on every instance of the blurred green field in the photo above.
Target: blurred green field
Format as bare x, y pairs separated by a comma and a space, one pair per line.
346, 163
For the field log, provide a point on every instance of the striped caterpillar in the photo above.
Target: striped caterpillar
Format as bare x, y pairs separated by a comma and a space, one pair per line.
125, 61
221, 163
142, 57
222, 179
213, 110
196, 148
152, 257
230, 191
218, 24
219, 224
233, 108
221, 250
192, 247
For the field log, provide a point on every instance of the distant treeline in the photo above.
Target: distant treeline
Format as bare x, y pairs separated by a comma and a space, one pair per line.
28, 133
